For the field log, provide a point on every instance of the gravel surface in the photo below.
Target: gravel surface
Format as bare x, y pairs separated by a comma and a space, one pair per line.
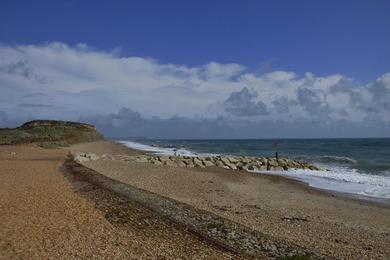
45, 214
214, 228
328, 223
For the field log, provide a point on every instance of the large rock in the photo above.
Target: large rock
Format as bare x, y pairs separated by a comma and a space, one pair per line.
249, 167
197, 162
208, 158
231, 166
263, 160
220, 164
262, 168
226, 162
92, 156
208, 163
84, 157
246, 160
142, 159
156, 162
180, 163
81, 159
164, 158
170, 163
273, 162
233, 160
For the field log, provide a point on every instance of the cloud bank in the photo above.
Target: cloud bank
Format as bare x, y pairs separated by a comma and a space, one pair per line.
145, 97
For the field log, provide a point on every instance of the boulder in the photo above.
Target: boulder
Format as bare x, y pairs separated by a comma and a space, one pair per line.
142, 159
262, 168
231, 166
180, 163
187, 161
164, 158
81, 159
219, 164
233, 159
273, 162
156, 162
282, 162
245, 160
190, 165
224, 160
240, 165
170, 163
208, 163
92, 156
263, 160
196, 160
250, 167
259, 163
198, 163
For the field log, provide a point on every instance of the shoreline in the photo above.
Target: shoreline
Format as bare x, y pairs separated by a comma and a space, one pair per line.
48, 214
305, 185
360, 198
277, 206
223, 233
268, 214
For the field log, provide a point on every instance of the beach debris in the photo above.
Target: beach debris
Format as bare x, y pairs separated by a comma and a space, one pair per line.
227, 162
10, 152
295, 219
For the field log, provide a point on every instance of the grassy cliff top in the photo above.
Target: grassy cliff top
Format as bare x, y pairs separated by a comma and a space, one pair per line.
50, 133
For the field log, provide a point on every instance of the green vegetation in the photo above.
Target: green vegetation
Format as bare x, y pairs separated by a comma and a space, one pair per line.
49, 133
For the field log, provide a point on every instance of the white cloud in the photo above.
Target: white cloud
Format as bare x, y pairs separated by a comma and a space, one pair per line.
80, 81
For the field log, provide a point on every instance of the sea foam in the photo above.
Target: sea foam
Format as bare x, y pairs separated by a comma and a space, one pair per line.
343, 179
337, 178
159, 150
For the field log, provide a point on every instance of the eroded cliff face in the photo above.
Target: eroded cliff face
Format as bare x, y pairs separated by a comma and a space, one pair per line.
50, 133
55, 123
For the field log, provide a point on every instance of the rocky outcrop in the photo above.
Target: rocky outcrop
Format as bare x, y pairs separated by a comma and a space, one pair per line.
226, 162
49, 133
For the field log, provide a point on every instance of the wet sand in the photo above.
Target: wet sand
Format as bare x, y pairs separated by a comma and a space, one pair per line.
333, 225
47, 214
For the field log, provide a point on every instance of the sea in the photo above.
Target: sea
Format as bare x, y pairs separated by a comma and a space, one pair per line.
360, 167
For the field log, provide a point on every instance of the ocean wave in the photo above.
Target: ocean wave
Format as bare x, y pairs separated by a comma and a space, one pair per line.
337, 159
163, 150
340, 176
343, 179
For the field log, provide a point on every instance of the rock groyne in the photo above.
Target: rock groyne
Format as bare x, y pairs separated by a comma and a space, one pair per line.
226, 162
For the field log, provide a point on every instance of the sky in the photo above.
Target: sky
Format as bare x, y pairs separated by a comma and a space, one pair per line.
199, 69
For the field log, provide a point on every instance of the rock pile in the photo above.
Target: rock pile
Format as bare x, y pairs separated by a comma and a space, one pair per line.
226, 162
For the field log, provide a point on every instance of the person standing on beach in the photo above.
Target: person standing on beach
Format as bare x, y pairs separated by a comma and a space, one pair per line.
275, 146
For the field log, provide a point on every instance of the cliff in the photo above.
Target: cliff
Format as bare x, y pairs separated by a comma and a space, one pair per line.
50, 133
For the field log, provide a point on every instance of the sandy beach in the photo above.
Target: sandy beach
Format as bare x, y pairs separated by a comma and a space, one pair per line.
44, 214
47, 212
336, 226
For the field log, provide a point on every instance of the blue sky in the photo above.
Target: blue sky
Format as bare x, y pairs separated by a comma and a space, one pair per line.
323, 37
308, 68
